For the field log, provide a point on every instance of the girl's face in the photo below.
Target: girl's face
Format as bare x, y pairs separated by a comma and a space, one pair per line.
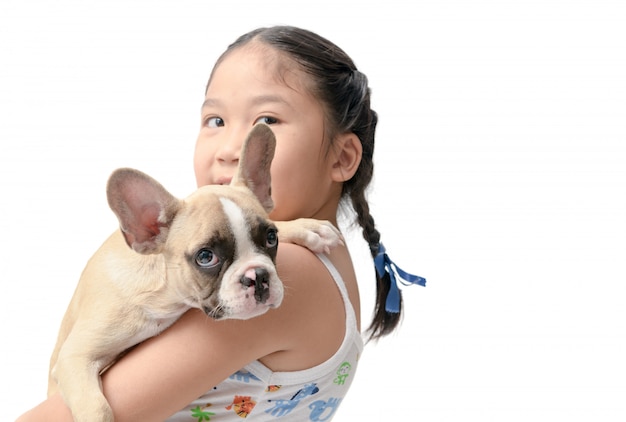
245, 89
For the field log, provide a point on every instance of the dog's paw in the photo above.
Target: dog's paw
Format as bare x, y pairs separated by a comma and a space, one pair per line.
319, 236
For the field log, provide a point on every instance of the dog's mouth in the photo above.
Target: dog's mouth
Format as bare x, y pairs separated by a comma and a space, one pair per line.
216, 313
219, 313
249, 296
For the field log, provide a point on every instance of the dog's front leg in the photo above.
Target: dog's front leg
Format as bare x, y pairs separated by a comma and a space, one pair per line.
319, 236
77, 374
81, 389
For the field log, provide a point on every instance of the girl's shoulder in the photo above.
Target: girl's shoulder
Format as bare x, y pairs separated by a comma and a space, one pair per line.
310, 323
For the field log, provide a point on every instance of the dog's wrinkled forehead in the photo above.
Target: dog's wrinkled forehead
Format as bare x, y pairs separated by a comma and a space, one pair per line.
224, 214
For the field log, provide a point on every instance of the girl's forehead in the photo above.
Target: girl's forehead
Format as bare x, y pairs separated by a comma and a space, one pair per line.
269, 63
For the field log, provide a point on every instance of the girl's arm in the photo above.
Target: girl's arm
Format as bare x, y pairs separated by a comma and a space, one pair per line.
167, 372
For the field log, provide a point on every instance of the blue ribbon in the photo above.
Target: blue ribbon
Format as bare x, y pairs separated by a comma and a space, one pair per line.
383, 265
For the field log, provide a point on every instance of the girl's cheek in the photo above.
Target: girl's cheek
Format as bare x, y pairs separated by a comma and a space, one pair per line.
202, 153
201, 169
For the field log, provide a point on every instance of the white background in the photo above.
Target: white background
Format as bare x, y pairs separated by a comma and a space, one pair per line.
500, 177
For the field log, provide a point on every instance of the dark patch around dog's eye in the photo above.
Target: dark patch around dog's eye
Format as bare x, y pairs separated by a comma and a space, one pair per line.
220, 248
265, 236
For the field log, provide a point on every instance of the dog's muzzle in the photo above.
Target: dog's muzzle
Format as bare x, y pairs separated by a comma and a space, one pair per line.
260, 278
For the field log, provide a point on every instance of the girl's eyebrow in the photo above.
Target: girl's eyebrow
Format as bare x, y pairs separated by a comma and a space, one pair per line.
211, 102
269, 98
255, 101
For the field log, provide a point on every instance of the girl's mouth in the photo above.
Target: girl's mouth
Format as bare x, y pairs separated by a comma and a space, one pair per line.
223, 180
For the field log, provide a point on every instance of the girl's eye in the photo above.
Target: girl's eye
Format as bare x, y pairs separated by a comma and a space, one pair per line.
267, 120
214, 122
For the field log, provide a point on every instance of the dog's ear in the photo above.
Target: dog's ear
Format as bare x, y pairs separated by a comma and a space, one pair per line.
254, 164
143, 207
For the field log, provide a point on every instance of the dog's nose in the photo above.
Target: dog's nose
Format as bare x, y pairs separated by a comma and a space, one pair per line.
261, 280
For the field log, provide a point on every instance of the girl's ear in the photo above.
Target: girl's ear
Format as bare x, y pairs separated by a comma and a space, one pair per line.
347, 151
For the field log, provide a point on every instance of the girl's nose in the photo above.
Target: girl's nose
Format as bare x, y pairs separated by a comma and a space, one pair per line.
230, 147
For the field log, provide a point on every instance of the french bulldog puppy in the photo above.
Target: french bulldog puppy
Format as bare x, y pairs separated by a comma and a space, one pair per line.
214, 250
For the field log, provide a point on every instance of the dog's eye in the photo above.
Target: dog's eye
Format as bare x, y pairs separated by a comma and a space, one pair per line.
206, 258
272, 238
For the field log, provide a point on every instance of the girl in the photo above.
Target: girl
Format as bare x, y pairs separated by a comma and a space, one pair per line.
298, 361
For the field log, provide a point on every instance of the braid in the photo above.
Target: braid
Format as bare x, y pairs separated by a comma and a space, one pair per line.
383, 322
